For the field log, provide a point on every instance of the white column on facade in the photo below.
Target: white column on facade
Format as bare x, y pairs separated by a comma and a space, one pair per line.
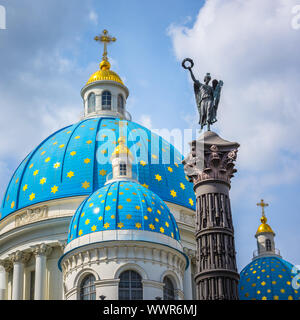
187, 280
5, 267
41, 252
18, 259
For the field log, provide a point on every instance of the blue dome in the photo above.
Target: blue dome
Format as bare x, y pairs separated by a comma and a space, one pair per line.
123, 205
268, 278
70, 163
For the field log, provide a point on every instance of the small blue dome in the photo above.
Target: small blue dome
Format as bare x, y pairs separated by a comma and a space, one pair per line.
123, 205
68, 163
268, 278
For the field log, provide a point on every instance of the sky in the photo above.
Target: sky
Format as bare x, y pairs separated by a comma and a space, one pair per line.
47, 54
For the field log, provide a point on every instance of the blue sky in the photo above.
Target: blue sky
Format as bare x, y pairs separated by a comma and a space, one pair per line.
48, 53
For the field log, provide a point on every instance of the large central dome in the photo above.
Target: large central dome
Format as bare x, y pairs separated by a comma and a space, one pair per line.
70, 163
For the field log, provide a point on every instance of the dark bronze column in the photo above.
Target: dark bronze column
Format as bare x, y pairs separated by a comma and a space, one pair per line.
210, 166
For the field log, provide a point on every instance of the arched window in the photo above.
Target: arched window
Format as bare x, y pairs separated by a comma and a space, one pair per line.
268, 245
87, 288
169, 292
91, 102
123, 169
106, 100
120, 103
130, 286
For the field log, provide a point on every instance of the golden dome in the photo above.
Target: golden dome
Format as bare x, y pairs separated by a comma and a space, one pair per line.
264, 227
122, 148
104, 74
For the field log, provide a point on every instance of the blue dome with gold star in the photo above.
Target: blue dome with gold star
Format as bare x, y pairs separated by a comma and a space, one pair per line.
73, 162
123, 205
269, 278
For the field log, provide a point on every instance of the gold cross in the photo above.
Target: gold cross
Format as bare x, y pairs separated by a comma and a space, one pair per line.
262, 204
105, 38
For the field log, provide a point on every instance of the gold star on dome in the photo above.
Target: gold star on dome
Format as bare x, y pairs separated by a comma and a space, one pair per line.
149, 209
154, 156
25, 187
107, 208
143, 163
191, 202
12, 205
120, 225
145, 217
128, 200
85, 185
31, 166
176, 164
102, 172
80, 232
32, 196
47, 159
77, 137
162, 230
87, 160
89, 142
43, 153
100, 218
56, 165
264, 298
170, 169
55, 143
61, 146
128, 216
70, 174
43, 181
87, 221
137, 207
173, 193
158, 177
151, 226
145, 185
120, 207
182, 186
73, 153
158, 211
17, 180
138, 225
91, 204
35, 172
167, 224
106, 225
104, 151
54, 189
94, 228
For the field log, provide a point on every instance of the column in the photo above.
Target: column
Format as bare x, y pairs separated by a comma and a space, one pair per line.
210, 166
187, 279
19, 259
5, 267
41, 252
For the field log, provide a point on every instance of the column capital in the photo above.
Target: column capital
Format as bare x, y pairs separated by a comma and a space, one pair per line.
211, 158
6, 264
20, 257
41, 249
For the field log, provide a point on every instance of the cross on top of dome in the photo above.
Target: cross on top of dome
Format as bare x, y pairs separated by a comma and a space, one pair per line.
106, 39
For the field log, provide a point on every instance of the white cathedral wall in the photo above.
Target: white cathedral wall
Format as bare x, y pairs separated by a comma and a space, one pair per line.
48, 223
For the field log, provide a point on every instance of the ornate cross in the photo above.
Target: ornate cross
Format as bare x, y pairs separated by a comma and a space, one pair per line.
262, 204
105, 38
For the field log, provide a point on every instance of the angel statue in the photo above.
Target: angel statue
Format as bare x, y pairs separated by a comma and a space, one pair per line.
207, 97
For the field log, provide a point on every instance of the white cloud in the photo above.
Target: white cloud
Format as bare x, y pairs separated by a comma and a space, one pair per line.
251, 46
93, 16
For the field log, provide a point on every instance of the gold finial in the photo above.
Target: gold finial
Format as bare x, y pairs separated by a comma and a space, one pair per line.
262, 204
106, 39
264, 227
